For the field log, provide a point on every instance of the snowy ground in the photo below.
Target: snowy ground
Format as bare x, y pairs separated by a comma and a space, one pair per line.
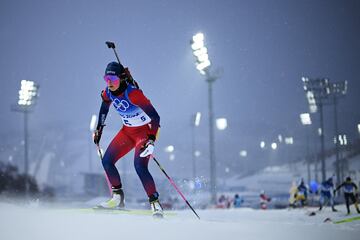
34, 222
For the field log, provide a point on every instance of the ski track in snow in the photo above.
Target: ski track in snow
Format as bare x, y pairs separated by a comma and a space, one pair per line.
38, 223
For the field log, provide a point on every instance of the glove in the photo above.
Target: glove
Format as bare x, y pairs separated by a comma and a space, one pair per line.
97, 134
148, 148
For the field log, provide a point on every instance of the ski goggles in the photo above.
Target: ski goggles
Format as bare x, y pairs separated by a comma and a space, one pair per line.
111, 78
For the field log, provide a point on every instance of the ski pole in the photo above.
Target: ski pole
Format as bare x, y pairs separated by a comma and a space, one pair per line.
112, 45
106, 177
174, 185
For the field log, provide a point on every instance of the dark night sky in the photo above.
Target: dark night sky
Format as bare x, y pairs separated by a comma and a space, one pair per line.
263, 47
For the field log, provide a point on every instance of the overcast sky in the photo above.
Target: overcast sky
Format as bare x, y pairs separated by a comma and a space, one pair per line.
263, 48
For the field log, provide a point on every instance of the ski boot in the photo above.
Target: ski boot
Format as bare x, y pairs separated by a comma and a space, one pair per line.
357, 207
334, 209
156, 206
117, 200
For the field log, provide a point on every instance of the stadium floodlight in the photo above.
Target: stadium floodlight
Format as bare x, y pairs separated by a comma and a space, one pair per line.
197, 45
289, 140
200, 52
342, 139
339, 88
312, 102
27, 93
169, 149
221, 123
203, 58
201, 66
93, 122
197, 153
197, 119
262, 144
274, 146
197, 41
319, 130
199, 37
243, 153
358, 126
317, 90
305, 119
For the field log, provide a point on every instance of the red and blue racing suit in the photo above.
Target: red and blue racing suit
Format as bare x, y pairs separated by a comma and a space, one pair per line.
140, 123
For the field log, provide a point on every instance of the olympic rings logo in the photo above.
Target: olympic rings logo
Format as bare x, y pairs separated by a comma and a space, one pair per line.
122, 105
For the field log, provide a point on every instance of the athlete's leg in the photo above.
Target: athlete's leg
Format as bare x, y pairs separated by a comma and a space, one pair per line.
140, 135
119, 146
347, 202
141, 167
321, 200
332, 202
354, 200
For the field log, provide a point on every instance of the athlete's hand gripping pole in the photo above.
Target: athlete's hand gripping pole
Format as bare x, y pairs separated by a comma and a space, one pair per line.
148, 148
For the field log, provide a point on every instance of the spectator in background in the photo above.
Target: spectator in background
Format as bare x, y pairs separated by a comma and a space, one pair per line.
264, 199
293, 193
302, 193
314, 187
238, 201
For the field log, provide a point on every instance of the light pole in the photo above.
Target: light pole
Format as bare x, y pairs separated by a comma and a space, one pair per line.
195, 123
337, 90
27, 96
221, 123
306, 121
317, 92
212, 143
342, 139
202, 64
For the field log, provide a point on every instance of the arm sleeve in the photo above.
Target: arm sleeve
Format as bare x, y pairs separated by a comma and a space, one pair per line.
105, 97
138, 98
104, 109
342, 184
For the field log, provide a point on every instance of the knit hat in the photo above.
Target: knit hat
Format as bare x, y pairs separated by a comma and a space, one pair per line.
114, 68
